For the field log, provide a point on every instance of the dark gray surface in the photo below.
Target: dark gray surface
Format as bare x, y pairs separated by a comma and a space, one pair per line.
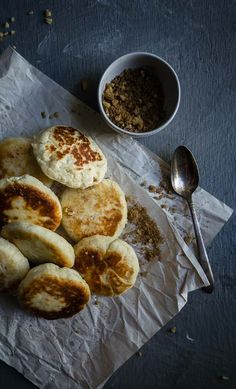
198, 38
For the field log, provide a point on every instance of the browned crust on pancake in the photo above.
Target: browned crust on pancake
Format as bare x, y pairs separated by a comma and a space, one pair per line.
6, 155
92, 266
24, 149
105, 224
74, 296
77, 144
35, 200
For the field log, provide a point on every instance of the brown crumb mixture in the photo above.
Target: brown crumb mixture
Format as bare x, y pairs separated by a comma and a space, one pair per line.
134, 100
165, 184
152, 189
188, 239
144, 274
164, 206
146, 231
163, 190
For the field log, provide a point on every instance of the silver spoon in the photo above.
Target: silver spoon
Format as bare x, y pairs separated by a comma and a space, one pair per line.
185, 179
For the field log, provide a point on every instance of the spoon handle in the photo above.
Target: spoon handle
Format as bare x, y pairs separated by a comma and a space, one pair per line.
203, 257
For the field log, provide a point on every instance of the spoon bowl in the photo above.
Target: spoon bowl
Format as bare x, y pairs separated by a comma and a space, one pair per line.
184, 172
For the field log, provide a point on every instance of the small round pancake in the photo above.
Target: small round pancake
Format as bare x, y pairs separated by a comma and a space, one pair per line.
69, 157
26, 199
17, 159
98, 210
39, 244
53, 292
13, 266
109, 266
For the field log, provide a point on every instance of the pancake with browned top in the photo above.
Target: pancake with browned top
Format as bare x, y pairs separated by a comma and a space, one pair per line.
39, 244
69, 157
110, 267
13, 266
17, 159
26, 199
101, 210
53, 292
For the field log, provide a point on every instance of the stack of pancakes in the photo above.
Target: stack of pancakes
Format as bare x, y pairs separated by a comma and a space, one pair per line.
51, 277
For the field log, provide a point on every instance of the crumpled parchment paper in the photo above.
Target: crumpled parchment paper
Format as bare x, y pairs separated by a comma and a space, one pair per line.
85, 350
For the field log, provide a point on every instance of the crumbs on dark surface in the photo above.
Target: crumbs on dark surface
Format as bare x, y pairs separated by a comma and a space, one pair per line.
134, 100
146, 231
173, 330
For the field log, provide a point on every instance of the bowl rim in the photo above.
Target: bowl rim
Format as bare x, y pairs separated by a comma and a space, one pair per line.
100, 92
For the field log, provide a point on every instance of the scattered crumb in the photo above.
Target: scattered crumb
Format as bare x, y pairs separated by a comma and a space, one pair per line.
164, 190
6, 25
48, 20
144, 274
43, 114
47, 13
12, 19
188, 239
152, 188
145, 232
56, 114
173, 330
164, 206
14, 47
144, 183
51, 116
31, 12
170, 196
12, 32
139, 354
165, 183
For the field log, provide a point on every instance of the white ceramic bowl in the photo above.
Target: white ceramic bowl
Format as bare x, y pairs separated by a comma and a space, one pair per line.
168, 79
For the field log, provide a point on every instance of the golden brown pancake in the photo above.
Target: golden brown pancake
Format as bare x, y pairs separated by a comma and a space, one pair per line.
26, 199
39, 244
69, 157
13, 266
110, 267
17, 159
98, 210
53, 292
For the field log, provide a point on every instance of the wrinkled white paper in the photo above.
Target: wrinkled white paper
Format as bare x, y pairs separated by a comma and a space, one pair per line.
85, 350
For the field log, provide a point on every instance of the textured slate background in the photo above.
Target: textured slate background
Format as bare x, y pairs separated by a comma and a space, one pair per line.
198, 38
